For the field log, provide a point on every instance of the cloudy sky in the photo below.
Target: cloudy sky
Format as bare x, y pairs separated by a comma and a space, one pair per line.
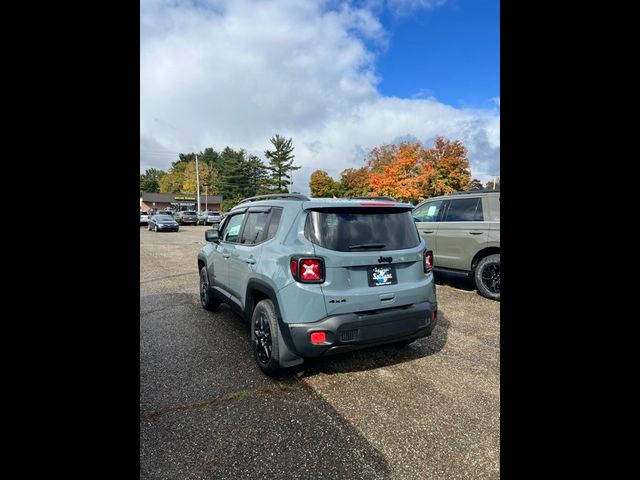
338, 77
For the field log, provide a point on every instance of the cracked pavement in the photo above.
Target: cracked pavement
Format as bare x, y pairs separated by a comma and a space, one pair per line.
428, 410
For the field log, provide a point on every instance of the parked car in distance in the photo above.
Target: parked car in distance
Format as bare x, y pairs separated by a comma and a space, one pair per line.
144, 218
202, 217
163, 223
213, 218
187, 217
316, 277
463, 230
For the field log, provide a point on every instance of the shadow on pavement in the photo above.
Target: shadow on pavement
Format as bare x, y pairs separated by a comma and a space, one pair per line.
455, 280
208, 412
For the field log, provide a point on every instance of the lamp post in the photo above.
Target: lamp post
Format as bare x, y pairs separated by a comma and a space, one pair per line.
197, 183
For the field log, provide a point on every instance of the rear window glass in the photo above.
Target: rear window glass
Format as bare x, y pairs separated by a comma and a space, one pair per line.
355, 230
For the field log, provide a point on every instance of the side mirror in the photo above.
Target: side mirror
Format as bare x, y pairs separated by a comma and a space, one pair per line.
416, 219
211, 235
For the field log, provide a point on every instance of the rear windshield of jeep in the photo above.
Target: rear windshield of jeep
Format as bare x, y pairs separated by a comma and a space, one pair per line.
361, 229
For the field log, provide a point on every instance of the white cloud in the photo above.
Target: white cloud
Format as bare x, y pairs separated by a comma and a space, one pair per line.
405, 6
217, 73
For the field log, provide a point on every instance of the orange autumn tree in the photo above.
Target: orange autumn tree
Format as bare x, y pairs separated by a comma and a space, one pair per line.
448, 164
322, 185
412, 173
354, 182
397, 171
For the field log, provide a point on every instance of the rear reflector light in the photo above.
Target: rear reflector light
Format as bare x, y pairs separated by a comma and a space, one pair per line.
434, 314
318, 337
308, 270
428, 261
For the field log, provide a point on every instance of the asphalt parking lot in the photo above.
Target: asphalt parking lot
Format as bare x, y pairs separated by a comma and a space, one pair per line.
430, 410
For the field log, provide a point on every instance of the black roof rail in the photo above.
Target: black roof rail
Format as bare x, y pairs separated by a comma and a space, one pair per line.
389, 199
282, 196
474, 191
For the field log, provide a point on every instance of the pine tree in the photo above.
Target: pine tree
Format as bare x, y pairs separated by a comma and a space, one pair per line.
280, 163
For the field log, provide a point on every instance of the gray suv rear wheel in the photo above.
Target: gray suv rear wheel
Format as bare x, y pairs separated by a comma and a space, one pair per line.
487, 276
264, 337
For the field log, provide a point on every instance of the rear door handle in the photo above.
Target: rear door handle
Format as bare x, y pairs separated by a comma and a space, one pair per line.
427, 231
476, 233
250, 260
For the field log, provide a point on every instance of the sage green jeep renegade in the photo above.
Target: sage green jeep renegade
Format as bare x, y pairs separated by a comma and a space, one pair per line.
463, 231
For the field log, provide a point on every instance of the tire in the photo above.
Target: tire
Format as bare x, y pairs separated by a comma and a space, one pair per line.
264, 338
207, 300
487, 276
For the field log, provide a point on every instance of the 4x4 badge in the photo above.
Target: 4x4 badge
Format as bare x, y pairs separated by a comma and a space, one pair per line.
385, 260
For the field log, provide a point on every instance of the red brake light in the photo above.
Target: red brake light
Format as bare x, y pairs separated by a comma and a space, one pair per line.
310, 269
428, 261
376, 204
307, 270
318, 337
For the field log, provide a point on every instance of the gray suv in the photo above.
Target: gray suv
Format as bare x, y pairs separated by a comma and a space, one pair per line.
319, 276
463, 230
187, 217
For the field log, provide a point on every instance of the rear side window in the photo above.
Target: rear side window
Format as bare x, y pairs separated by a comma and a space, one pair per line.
465, 210
356, 230
254, 229
276, 213
260, 226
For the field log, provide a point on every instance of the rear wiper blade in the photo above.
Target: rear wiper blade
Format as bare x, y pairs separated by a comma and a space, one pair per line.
368, 245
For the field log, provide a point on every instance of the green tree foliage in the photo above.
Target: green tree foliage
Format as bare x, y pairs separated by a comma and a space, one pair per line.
232, 181
150, 180
234, 174
490, 185
280, 163
230, 202
322, 185
257, 174
475, 185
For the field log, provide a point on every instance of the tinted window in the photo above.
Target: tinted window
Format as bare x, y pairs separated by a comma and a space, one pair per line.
254, 229
465, 210
340, 229
232, 228
189, 213
428, 212
276, 213
163, 217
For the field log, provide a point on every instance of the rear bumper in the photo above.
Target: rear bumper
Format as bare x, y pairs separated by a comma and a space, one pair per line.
353, 331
